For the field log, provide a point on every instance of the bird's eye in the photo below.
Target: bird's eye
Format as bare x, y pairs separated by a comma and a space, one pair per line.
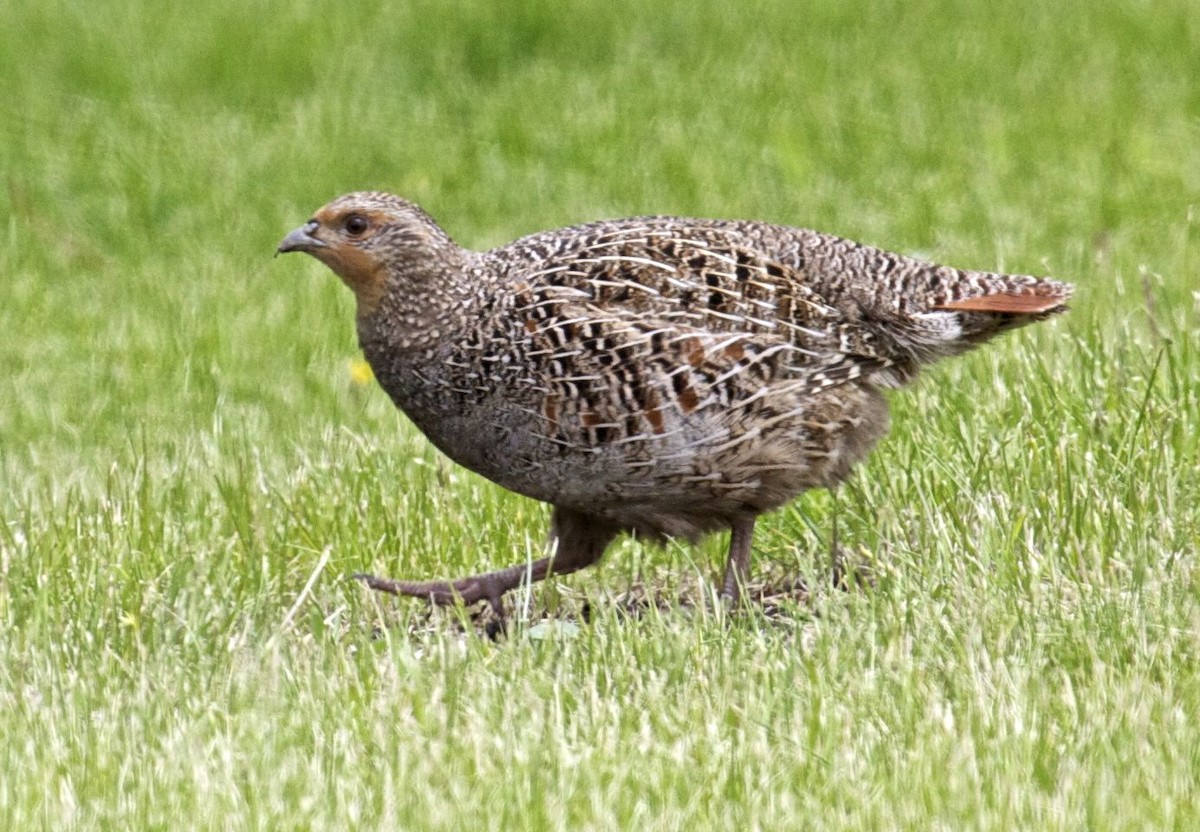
356, 225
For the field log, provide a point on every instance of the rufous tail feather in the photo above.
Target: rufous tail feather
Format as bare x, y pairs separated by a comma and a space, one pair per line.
1020, 304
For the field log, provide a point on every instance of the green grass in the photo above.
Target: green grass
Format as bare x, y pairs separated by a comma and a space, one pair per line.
189, 471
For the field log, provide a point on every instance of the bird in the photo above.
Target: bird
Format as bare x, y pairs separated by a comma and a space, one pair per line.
661, 376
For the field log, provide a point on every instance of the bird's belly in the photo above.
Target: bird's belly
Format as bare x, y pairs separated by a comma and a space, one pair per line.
690, 478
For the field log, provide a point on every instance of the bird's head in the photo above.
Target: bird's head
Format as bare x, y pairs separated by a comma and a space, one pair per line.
368, 237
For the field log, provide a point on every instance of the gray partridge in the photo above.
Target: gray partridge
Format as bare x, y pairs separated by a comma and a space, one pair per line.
662, 376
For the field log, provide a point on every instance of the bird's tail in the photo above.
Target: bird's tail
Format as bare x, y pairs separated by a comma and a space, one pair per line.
956, 310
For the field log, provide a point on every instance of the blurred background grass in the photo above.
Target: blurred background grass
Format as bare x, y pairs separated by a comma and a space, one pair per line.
183, 435
154, 155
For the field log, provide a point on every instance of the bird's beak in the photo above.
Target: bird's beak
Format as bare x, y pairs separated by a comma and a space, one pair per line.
301, 239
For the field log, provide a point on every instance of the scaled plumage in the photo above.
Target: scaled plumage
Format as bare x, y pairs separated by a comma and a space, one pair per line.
658, 375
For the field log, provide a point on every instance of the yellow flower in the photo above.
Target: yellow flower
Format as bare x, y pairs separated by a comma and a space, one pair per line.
360, 372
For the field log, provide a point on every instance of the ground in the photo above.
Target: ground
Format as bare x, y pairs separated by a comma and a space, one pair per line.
192, 463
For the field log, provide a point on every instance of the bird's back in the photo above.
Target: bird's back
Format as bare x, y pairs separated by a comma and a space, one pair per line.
670, 373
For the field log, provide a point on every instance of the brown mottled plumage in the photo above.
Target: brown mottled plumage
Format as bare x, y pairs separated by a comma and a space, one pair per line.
658, 375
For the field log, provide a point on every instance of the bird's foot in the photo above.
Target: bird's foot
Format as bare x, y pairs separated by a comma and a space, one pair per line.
847, 576
488, 587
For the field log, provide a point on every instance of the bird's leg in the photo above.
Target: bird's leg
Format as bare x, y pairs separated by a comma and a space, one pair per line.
489, 586
835, 551
837, 557
737, 570
845, 573
578, 541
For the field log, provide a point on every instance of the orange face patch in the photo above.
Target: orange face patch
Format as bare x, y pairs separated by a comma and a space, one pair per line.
362, 271
333, 220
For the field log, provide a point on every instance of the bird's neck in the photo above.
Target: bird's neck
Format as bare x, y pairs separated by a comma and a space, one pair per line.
420, 308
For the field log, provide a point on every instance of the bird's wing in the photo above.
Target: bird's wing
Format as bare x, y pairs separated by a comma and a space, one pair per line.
633, 328
702, 276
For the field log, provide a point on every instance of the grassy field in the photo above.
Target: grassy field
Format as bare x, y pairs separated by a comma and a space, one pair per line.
191, 464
